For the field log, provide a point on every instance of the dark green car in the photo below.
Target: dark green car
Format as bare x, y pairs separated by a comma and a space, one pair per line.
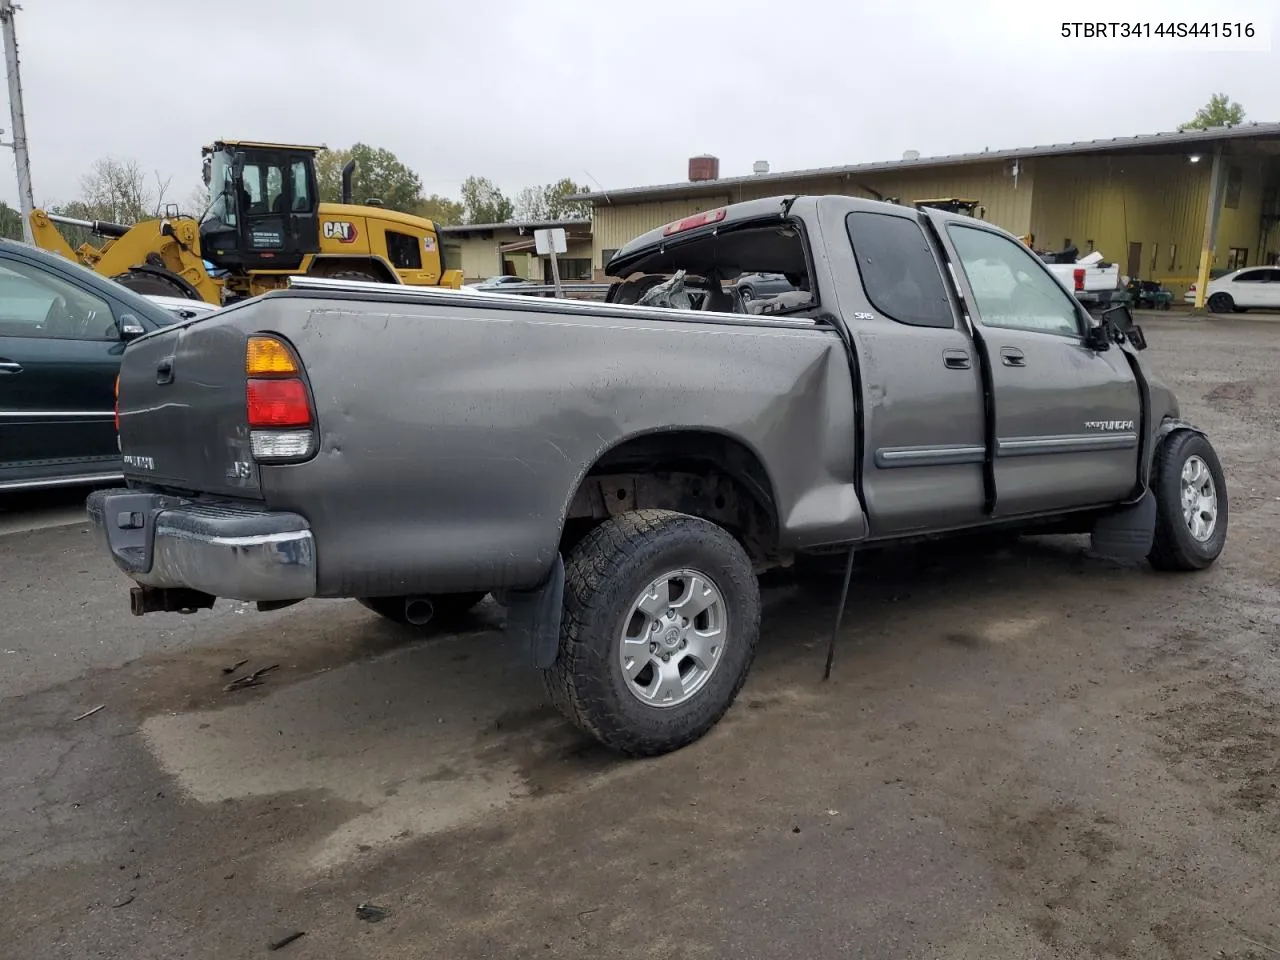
63, 330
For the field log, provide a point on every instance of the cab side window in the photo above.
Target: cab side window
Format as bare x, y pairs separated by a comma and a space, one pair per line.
404, 251
37, 304
1011, 289
900, 274
301, 187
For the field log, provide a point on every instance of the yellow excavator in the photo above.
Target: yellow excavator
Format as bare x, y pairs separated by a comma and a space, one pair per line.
264, 223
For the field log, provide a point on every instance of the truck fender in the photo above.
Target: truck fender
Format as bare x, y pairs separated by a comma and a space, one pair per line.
1128, 533
533, 616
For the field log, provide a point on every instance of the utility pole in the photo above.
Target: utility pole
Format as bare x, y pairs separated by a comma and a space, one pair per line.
25, 199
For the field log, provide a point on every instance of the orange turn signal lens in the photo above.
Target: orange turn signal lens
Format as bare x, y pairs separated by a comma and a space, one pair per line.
266, 355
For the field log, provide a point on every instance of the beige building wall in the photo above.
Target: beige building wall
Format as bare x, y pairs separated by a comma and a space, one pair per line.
1147, 211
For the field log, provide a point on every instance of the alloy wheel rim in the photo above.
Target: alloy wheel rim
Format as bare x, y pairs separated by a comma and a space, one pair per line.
673, 638
1199, 499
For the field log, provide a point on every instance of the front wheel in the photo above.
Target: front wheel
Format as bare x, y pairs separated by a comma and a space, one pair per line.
1191, 504
661, 615
1221, 303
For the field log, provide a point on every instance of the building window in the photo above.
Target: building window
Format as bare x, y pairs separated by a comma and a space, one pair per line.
1232, 199
1090, 243
404, 251
575, 268
1237, 257
605, 257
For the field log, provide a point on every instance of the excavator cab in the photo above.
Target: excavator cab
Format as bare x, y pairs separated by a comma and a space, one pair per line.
264, 203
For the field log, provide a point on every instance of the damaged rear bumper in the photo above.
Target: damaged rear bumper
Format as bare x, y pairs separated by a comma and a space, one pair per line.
221, 550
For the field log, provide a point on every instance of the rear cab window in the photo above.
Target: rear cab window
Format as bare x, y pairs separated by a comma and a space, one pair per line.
703, 272
900, 274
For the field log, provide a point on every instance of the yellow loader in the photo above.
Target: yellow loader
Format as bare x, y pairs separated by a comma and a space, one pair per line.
264, 224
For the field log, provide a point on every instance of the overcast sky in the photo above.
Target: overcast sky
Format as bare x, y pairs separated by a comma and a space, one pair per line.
605, 92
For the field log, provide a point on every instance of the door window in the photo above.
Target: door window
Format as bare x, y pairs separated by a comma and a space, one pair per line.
1251, 276
900, 275
404, 251
1011, 288
36, 303
301, 187
264, 189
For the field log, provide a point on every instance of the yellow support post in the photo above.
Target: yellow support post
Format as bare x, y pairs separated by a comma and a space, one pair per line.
1212, 208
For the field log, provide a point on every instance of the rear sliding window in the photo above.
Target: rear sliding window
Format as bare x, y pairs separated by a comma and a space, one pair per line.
899, 273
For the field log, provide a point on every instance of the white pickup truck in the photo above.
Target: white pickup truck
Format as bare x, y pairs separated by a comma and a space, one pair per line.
1093, 282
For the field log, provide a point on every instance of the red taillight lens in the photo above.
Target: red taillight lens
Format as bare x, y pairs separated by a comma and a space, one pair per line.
1079, 276
697, 220
277, 403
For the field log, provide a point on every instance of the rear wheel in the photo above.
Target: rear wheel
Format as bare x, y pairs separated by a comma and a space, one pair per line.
446, 607
1221, 303
747, 294
1191, 504
661, 615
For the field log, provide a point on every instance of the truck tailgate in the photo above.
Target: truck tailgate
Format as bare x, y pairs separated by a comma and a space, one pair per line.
182, 409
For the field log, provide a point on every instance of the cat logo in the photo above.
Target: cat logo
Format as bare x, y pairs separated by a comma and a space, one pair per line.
341, 230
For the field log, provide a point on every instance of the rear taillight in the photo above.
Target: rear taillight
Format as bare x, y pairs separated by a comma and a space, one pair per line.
277, 402
1079, 278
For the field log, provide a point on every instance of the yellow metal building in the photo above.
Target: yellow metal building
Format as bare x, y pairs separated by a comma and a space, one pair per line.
1142, 201
484, 250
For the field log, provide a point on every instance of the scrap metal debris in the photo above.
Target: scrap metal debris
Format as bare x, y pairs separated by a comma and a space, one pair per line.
371, 913
90, 713
235, 666
287, 939
249, 679
125, 902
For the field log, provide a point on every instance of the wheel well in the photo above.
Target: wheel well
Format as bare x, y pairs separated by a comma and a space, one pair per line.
328, 266
703, 474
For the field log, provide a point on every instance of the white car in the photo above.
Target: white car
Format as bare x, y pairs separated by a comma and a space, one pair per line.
1246, 289
181, 307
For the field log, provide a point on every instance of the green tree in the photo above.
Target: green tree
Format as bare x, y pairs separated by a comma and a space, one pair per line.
1219, 111
440, 210
379, 174
551, 202
10, 222
483, 202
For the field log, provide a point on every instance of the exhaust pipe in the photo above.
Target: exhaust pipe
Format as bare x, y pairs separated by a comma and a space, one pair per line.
348, 174
418, 610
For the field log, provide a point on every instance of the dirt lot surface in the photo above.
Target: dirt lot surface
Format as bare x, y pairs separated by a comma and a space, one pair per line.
1022, 754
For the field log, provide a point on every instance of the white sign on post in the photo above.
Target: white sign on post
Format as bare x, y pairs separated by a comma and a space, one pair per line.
552, 242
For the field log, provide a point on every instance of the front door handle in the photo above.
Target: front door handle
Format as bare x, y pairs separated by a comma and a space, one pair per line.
8, 366
1012, 357
164, 371
955, 359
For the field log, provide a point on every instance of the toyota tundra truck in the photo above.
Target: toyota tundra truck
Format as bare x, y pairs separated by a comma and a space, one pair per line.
617, 474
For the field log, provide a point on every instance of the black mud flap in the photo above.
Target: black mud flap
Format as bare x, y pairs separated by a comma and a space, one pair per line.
1128, 533
533, 616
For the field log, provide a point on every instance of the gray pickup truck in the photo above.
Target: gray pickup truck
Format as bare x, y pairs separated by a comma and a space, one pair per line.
616, 474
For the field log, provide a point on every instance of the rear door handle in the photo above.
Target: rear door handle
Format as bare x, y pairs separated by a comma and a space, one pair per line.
1012, 357
164, 371
955, 359
8, 366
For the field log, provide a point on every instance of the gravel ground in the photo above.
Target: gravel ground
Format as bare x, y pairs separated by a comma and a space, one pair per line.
1023, 754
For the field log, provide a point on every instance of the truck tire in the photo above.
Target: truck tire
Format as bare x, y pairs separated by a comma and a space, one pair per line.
447, 607
747, 294
661, 616
1191, 504
359, 275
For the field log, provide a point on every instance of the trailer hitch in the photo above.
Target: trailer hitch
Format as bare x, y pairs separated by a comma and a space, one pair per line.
143, 600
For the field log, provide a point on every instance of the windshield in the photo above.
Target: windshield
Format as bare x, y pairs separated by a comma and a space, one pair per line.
222, 208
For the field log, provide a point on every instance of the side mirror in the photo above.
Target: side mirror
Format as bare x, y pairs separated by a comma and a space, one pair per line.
1098, 337
131, 327
1121, 318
